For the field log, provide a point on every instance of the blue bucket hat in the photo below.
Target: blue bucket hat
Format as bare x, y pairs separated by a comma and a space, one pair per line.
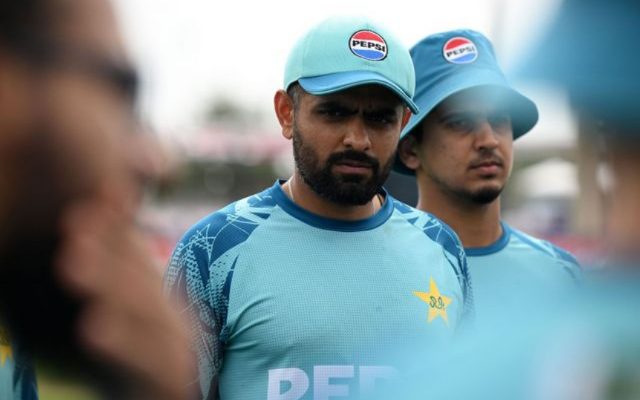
586, 52
451, 62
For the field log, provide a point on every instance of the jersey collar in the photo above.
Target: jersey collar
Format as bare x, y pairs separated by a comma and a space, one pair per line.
318, 221
495, 247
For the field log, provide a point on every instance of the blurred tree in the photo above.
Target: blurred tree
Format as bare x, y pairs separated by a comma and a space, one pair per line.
229, 112
216, 180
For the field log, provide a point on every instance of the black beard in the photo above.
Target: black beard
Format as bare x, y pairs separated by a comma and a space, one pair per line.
343, 189
480, 197
484, 196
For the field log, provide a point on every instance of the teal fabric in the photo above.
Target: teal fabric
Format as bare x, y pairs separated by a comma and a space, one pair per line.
343, 52
289, 305
518, 268
17, 377
583, 347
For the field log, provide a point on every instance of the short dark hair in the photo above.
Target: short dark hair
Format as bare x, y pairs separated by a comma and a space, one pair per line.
22, 21
417, 131
295, 91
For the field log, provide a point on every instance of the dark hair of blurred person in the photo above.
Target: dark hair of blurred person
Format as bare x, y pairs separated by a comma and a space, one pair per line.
77, 288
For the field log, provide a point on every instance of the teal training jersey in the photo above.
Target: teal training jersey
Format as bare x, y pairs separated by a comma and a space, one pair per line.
17, 378
287, 305
517, 269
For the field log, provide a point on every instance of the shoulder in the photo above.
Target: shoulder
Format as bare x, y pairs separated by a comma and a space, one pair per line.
547, 248
432, 227
440, 233
211, 238
230, 225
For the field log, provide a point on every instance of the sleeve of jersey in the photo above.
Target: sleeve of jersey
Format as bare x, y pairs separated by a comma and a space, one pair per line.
197, 280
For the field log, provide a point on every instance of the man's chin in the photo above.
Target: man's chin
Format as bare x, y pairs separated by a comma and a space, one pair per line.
352, 179
357, 192
485, 195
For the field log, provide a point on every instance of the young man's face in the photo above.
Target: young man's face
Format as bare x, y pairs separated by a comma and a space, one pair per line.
344, 143
465, 147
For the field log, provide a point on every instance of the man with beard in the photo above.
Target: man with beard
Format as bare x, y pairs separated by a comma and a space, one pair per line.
460, 148
78, 291
306, 289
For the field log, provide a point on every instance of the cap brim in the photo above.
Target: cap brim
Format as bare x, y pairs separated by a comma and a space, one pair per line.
523, 111
331, 83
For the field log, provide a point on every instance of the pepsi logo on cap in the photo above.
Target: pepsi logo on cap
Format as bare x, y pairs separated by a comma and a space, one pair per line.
368, 45
460, 50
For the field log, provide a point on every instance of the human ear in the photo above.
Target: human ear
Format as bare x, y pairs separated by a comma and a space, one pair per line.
284, 108
406, 116
408, 152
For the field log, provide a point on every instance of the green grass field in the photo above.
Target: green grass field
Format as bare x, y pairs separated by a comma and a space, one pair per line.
52, 387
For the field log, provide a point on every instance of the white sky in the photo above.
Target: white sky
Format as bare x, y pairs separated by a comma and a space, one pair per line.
190, 51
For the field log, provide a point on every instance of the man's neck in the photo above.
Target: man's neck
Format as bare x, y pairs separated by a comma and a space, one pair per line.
477, 225
305, 197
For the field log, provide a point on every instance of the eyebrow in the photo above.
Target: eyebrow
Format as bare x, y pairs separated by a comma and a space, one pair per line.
385, 111
334, 104
381, 110
444, 116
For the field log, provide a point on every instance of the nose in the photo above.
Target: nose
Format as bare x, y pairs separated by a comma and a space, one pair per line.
486, 138
357, 135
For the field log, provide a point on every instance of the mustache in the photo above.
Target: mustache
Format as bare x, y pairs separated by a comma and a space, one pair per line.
355, 157
487, 159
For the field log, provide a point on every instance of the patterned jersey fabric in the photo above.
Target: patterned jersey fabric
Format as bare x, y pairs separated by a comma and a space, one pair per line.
285, 304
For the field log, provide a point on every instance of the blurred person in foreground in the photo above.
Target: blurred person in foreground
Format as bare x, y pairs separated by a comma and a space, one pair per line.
78, 292
598, 354
460, 149
587, 347
299, 291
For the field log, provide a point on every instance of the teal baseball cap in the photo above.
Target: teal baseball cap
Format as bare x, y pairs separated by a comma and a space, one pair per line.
345, 52
451, 62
